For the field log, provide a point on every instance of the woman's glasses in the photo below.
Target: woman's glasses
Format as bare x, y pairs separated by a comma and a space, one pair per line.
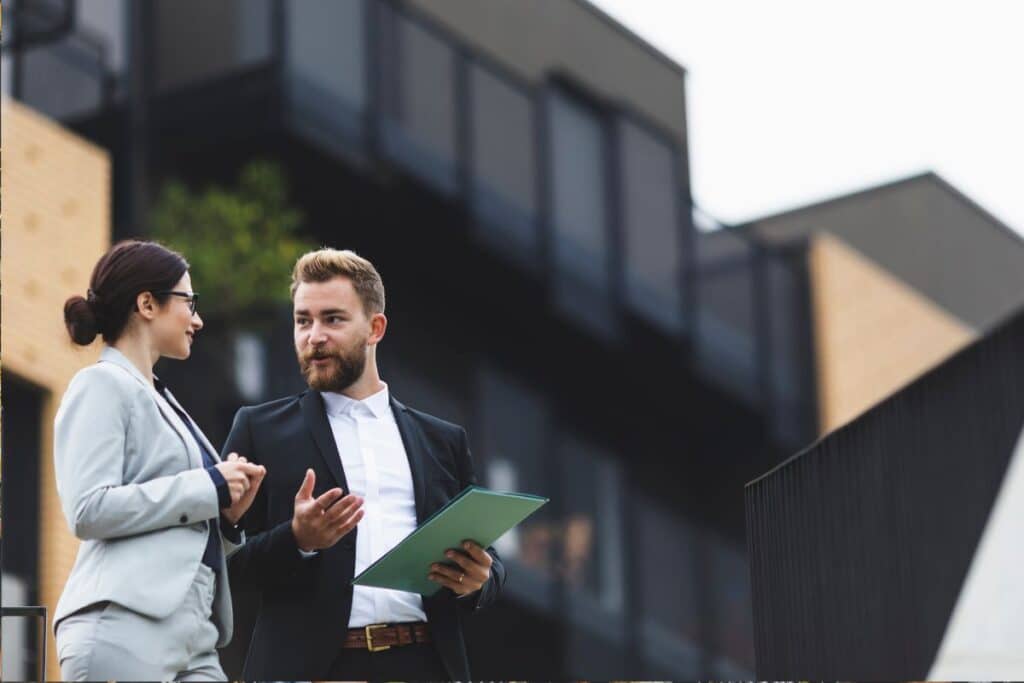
193, 299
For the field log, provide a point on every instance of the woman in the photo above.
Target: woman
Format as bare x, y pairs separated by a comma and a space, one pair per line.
154, 506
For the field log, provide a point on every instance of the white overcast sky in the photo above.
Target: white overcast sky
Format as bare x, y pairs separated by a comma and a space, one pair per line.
793, 101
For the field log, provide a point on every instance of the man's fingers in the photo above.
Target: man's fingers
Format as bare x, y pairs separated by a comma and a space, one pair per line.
468, 565
306, 489
478, 553
452, 573
326, 500
347, 518
458, 588
346, 525
343, 508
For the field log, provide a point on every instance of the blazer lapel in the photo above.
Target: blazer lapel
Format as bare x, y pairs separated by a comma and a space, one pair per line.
112, 355
315, 414
417, 453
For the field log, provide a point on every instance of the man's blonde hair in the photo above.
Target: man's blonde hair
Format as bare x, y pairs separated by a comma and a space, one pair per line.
326, 264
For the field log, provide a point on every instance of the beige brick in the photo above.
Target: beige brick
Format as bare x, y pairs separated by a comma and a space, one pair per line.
873, 333
56, 224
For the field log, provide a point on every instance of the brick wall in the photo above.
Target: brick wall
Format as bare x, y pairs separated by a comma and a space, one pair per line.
873, 333
56, 224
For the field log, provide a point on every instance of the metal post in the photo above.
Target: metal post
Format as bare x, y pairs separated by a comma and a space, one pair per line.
39, 613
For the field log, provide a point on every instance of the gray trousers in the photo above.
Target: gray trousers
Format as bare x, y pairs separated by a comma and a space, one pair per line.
108, 642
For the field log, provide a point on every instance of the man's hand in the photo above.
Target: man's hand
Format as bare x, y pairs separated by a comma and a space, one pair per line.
319, 523
244, 481
473, 571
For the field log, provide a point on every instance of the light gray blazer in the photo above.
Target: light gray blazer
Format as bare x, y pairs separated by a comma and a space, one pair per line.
133, 489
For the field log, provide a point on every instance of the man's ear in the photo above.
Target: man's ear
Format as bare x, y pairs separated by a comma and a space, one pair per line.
146, 305
378, 326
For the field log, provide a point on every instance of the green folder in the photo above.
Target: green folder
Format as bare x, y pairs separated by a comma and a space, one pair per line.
476, 514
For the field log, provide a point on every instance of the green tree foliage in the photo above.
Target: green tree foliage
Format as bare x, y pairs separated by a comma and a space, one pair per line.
241, 242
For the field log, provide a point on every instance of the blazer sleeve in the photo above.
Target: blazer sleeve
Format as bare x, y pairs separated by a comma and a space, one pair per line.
270, 553
90, 441
490, 591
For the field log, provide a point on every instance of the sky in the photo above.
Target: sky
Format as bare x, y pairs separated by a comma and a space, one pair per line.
791, 101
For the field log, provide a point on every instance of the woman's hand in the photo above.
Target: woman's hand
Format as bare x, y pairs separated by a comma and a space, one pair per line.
244, 479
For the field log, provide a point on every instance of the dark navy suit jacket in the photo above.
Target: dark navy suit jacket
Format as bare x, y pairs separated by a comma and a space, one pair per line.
306, 602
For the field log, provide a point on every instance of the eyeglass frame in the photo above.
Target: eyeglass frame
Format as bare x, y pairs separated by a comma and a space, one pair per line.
193, 298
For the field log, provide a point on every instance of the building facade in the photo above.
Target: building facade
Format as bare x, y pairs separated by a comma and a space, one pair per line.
518, 171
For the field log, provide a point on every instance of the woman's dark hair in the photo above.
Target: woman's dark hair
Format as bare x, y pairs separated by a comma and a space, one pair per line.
128, 269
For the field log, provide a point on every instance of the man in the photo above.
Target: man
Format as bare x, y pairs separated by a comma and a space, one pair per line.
350, 472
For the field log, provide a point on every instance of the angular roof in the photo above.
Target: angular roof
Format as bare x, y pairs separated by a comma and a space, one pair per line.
927, 233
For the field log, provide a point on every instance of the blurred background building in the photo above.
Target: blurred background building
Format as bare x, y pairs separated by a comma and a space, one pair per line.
518, 171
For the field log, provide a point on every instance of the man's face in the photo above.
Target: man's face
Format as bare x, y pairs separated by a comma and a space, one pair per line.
331, 333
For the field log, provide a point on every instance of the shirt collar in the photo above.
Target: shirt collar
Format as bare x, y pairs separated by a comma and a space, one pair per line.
110, 354
339, 404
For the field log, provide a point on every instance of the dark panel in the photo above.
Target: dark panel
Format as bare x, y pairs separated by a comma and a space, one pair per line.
22, 409
859, 545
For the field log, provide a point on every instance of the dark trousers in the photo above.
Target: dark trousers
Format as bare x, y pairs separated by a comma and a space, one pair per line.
416, 662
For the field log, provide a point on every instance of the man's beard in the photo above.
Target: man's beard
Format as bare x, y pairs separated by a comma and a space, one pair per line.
342, 372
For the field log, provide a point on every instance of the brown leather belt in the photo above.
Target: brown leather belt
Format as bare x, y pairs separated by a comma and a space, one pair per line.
378, 637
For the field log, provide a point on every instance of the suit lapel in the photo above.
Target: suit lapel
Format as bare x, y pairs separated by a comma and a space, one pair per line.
191, 447
315, 414
417, 453
112, 355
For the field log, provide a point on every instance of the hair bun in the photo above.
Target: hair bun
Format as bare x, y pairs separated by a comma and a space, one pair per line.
81, 320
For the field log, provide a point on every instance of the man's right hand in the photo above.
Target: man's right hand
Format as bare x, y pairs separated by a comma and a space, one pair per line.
319, 523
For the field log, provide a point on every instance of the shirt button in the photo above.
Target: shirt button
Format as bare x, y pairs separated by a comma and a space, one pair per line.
183, 519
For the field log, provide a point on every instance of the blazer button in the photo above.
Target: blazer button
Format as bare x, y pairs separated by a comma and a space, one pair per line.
183, 519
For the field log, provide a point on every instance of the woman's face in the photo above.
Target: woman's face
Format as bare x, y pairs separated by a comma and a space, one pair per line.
175, 327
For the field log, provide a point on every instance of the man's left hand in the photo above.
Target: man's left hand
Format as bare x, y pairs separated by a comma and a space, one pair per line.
472, 572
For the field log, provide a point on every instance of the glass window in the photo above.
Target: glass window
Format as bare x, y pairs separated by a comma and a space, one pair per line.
107, 21
650, 209
513, 437
789, 340
579, 212
198, 40
668, 590
6, 71
62, 79
19, 663
726, 344
325, 57
734, 625
20, 432
250, 366
504, 166
592, 538
418, 93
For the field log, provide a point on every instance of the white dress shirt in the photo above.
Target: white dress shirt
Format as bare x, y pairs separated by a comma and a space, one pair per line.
377, 469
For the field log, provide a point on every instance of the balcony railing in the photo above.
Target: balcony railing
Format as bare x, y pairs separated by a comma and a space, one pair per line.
32, 613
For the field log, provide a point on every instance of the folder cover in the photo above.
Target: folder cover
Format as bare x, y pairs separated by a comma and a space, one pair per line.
476, 514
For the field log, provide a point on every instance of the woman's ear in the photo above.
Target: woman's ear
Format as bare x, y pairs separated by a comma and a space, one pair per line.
146, 305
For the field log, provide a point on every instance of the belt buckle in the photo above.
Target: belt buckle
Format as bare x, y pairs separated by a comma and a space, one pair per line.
369, 638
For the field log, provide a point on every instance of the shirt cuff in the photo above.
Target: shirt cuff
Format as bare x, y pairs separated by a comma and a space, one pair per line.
223, 492
306, 555
230, 531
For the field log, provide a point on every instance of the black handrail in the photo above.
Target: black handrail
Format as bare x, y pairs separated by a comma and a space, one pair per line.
38, 612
